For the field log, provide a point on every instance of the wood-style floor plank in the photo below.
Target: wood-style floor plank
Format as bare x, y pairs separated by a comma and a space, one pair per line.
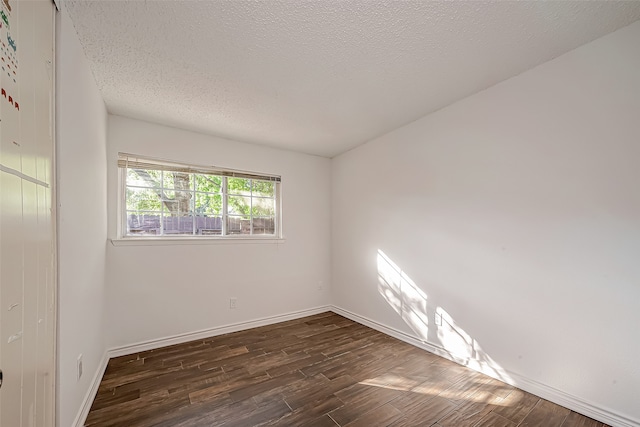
494, 420
321, 370
576, 420
517, 405
421, 409
544, 414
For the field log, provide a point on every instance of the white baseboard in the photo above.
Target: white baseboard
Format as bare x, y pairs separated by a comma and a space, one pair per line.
531, 386
211, 332
91, 393
572, 402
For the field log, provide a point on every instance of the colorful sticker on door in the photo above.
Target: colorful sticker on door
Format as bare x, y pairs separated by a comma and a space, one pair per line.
8, 44
9, 98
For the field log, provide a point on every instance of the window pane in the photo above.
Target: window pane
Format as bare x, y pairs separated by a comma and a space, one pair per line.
143, 177
208, 183
142, 199
143, 223
167, 180
264, 225
177, 180
238, 225
178, 224
263, 188
263, 207
209, 226
239, 186
178, 203
208, 204
239, 205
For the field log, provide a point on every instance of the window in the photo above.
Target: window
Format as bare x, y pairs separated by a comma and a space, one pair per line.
167, 199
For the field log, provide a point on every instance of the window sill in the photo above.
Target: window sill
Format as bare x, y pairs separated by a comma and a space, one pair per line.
169, 241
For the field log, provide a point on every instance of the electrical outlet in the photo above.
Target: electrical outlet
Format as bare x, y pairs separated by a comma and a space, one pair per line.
233, 303
320, 285
79, 366
438, 319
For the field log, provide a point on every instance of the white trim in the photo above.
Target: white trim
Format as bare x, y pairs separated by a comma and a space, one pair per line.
544, 391
212, 332
81, 418
402, 336
574, 403
168, 241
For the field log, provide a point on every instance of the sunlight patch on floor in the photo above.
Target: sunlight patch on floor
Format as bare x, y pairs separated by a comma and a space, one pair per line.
426, 387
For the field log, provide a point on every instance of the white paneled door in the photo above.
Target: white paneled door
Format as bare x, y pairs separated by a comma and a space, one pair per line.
27, 234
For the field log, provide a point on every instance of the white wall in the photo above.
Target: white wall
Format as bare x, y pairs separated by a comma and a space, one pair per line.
517, 212
82, 219
161, 290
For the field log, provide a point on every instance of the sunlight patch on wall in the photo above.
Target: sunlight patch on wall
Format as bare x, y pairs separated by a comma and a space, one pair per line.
409, 301
403, 295
464, 349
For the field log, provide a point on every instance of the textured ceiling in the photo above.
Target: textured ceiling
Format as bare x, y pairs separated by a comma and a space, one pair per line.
319, 77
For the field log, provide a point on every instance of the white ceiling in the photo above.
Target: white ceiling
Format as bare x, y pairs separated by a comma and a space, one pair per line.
319, 77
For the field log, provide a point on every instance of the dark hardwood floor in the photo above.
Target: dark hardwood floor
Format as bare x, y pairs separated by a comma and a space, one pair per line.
322, 370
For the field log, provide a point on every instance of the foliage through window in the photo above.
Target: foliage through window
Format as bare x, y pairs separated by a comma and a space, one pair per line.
170, 199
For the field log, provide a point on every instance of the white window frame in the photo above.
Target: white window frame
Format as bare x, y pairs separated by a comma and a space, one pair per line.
125, 161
